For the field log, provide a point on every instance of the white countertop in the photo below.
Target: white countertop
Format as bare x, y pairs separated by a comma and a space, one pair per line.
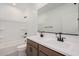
67, 48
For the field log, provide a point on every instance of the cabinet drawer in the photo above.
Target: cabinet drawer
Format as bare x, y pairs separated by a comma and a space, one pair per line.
48, 51
34, 44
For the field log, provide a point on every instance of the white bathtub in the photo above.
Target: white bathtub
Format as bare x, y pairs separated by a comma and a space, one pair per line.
8, 51
12, 48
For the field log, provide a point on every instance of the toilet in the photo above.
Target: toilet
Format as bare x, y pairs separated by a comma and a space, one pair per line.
21, 49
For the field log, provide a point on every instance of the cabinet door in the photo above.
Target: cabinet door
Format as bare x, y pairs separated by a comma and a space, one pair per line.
42, 54
31, 51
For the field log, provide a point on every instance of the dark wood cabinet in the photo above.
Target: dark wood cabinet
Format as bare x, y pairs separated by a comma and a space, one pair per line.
31, 51
32, 48
42, 54
35, 49
48, 52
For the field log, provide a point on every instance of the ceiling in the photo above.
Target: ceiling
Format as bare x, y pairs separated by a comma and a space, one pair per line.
21, 6
24, 6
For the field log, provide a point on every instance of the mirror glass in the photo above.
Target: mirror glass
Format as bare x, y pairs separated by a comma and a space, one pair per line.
58, 17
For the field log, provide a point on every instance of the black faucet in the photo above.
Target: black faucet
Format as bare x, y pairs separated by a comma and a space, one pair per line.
41, 35
59, 38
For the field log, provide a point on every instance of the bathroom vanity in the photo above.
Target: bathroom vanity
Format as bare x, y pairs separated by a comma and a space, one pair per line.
50, 46
36, 49
60, 18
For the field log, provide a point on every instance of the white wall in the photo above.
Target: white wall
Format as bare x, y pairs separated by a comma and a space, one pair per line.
31, 20
8, 12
